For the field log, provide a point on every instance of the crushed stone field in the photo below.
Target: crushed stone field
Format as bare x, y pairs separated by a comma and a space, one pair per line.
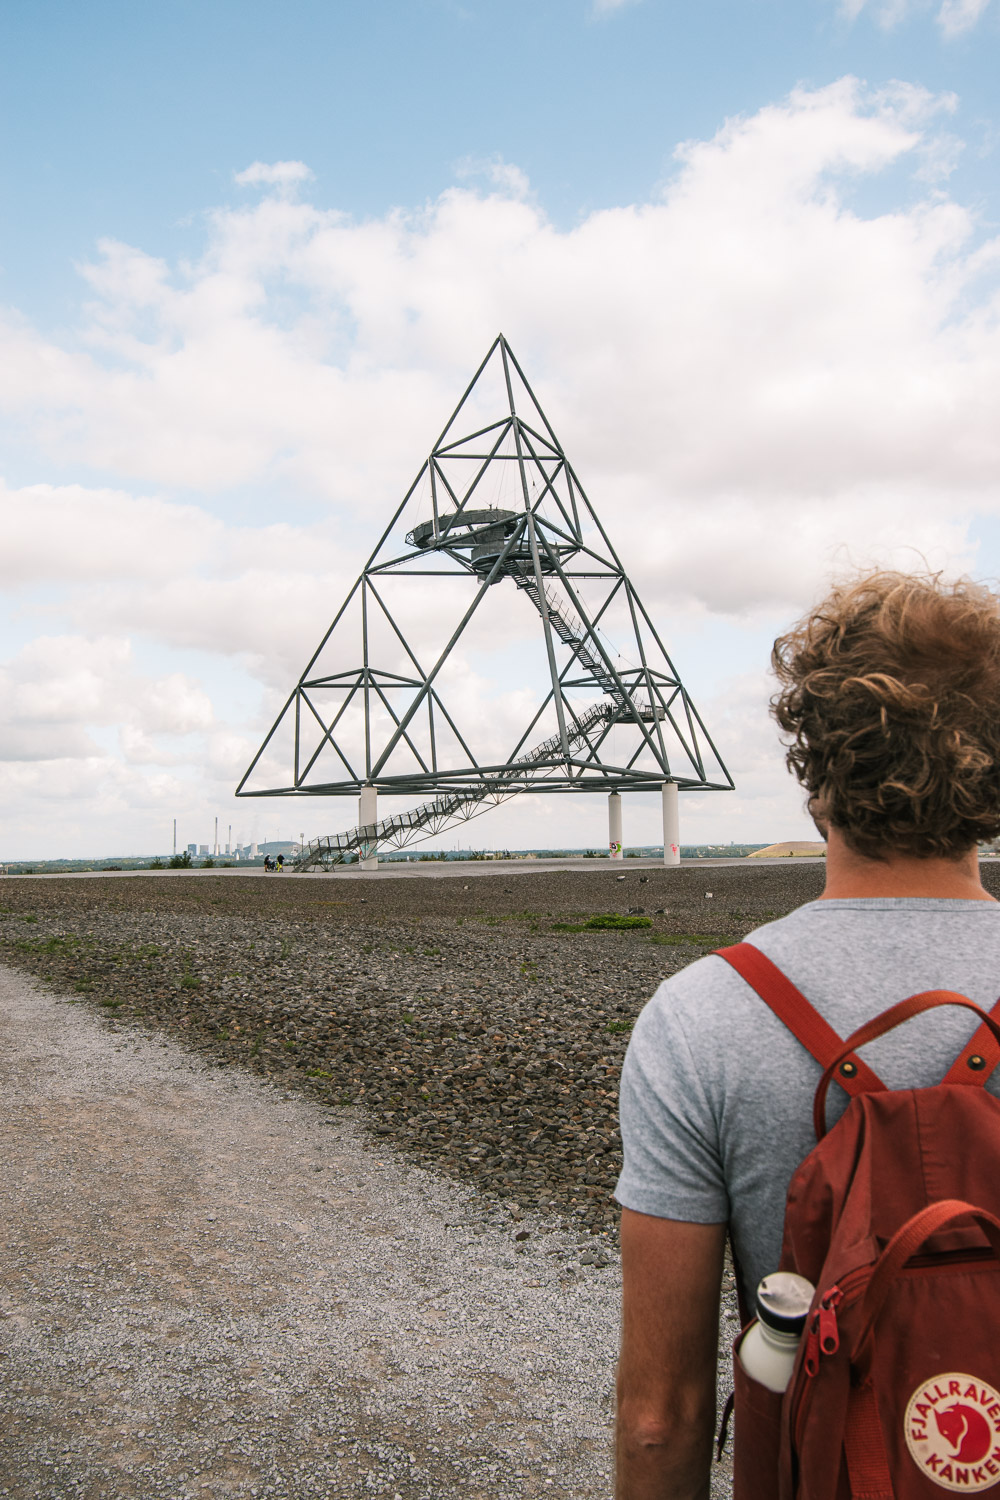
480, 1024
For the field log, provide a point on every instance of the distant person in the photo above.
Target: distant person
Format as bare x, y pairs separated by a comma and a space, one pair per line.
267, 862
889, 698
281, 864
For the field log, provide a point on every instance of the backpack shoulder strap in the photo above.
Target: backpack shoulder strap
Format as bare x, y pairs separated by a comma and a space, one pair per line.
802, 1019
978, 1057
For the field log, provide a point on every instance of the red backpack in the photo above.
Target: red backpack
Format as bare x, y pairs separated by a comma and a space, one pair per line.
893, 1216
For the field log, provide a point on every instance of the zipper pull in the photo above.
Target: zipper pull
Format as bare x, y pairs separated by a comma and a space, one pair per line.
829, 1337
810, 1360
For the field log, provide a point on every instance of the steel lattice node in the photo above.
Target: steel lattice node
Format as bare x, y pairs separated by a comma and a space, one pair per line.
494, 516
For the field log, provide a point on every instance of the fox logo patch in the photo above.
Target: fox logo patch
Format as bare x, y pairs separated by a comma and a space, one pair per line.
952, 1426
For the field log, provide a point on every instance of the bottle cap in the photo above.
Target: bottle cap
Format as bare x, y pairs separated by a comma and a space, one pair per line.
783, 1301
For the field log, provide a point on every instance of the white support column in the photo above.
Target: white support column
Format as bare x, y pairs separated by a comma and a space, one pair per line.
671, 825
615, 825
367, 815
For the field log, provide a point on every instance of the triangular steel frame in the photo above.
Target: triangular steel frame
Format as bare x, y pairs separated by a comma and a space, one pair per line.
546, 545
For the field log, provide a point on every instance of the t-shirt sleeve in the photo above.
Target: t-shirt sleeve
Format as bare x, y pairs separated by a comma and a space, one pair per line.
670, 1131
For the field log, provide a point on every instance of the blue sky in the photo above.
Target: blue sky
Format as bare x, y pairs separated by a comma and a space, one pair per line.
747, 253
130, 121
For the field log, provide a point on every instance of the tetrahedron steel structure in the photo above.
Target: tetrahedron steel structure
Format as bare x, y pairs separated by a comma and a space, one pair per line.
495, 567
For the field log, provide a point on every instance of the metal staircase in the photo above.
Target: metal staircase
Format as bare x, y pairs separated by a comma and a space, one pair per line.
429, 818
570, 631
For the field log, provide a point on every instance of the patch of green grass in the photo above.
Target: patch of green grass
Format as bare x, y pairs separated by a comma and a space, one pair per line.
610, 922
255, 1048
318, 1073
431, 952
697, 939
110, 1004
48, 945
189, 980
406, 1015
290, 1046
618, 1026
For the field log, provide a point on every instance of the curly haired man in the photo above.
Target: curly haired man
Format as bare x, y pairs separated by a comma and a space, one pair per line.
890, 703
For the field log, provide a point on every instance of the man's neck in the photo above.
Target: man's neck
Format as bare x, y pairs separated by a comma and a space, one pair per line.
849, 874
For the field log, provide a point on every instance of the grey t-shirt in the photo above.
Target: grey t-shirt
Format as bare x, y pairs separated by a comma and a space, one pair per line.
717, 1095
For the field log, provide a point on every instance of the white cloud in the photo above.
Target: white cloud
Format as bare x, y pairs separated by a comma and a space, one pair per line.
503, 175
70, 532
75, 680
954, 17
609, 7
86, 738
957, 16
753, 377
280, 174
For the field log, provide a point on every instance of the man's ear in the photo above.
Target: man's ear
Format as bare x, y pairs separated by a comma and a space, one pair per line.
817, 808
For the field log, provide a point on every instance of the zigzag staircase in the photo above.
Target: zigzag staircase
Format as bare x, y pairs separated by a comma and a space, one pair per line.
429, 818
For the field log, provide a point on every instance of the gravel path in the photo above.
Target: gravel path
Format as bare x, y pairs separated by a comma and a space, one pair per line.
210, 1287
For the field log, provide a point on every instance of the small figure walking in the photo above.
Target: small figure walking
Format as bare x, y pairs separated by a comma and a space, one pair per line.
281, 864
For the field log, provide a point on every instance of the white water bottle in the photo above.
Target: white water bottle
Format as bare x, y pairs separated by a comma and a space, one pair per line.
769, 1346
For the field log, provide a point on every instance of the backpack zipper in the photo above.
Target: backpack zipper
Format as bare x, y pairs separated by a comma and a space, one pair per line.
823, 1336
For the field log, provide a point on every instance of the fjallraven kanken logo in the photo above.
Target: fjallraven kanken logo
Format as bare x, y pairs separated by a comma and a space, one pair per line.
953, 1431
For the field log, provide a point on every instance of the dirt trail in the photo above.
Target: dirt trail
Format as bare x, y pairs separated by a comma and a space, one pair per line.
211, 1288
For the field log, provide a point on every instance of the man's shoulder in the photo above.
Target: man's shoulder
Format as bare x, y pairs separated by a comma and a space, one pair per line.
711, 982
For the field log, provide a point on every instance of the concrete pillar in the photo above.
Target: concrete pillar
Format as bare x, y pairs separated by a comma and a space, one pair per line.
615, 825
671, 825
367, 815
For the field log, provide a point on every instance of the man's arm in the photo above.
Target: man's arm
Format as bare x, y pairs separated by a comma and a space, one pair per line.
671, 1273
